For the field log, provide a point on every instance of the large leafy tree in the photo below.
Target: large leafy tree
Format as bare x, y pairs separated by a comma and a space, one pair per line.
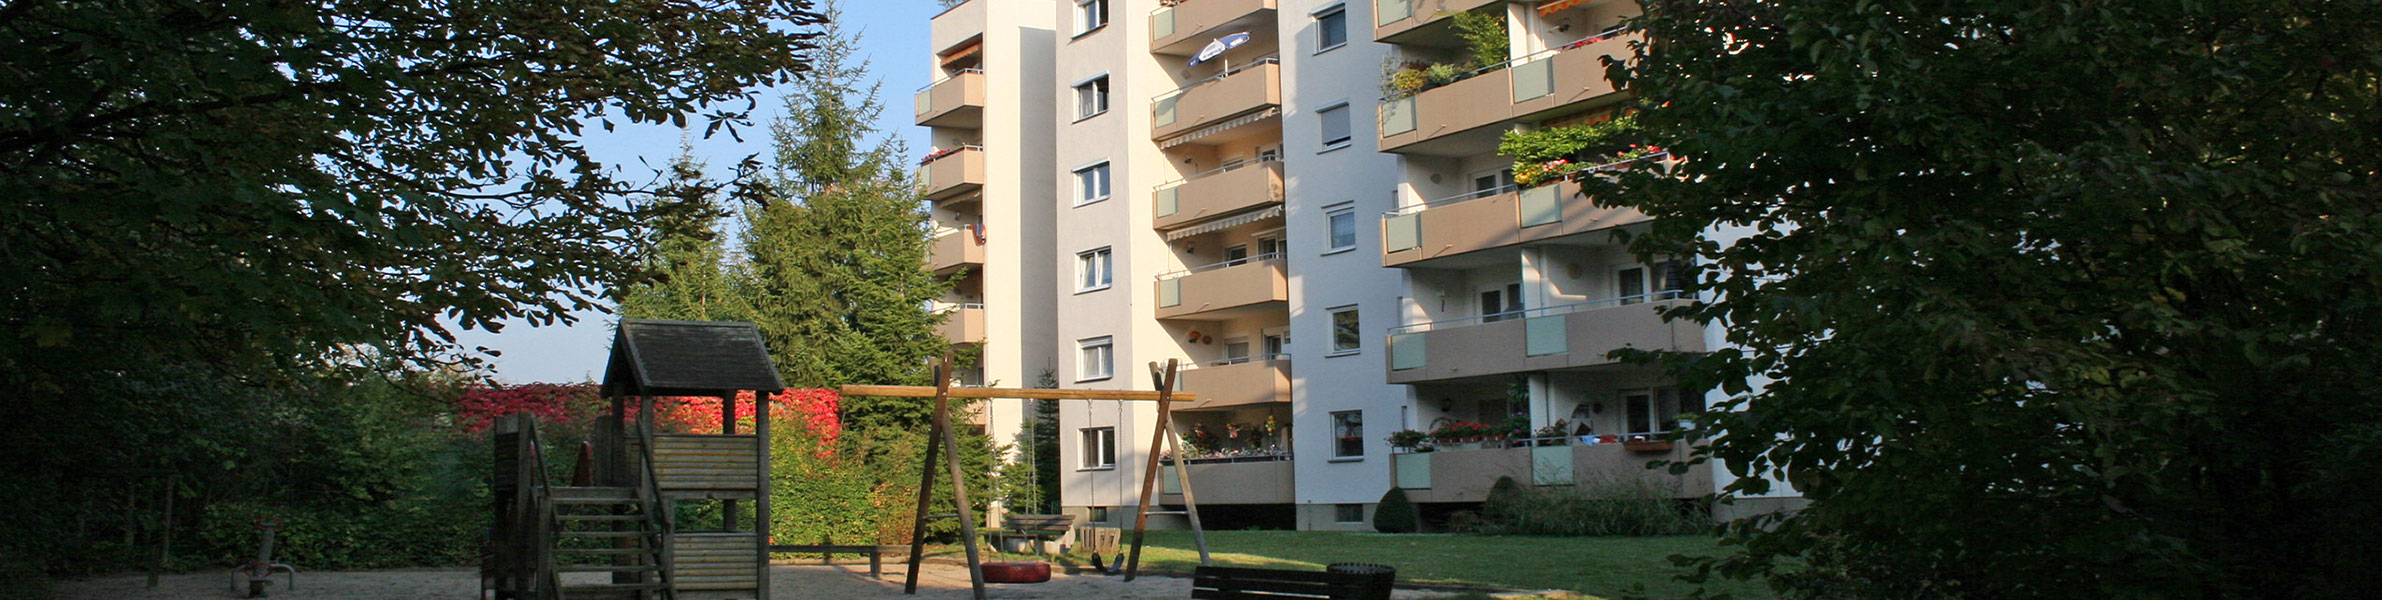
250, 183
2051, 299
834, 244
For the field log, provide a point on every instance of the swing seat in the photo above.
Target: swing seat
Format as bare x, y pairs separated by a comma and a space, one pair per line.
1017, 572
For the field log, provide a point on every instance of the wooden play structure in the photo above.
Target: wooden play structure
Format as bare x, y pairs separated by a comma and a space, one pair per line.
621, 523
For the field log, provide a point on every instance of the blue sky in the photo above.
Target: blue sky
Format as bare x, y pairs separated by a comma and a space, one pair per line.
893, 40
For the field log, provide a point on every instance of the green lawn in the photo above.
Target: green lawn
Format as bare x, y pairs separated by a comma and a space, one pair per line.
1600, 566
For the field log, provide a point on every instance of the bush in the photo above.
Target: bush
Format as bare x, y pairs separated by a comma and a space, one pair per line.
1627, 506
1396, 514
1484, 34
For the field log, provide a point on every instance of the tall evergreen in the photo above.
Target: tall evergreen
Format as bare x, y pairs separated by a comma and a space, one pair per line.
689, 262
835, 243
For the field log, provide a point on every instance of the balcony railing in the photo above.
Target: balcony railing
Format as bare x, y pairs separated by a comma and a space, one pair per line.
1392, 19
1240, 381
1450, 475
1569, 336
1226, 190
1226, 264
1184, 27
1499, 218
956, 100
1538, 83
952, 172
1222, 289
1257, 479
964, 323
1546, 311
953, 249
1244, 88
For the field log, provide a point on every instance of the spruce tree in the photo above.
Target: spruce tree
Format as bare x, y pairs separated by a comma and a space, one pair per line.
688, 264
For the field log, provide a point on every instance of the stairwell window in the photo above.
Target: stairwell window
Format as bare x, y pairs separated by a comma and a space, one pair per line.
1348, 434
1094, 359
1090, 15
1091, 183
1346, 331
1099, 449
1091, 98
1331, 28
1092, 271
1340, 228
1335, 126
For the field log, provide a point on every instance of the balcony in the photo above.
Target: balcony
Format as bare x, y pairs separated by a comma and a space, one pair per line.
957, 26
964, 323
1570, 336
1229, 190
1427, 234
1238, 382
1240, 480
952, 172
1224, 290
1245, 89
1182, 29
957, 249
1456, 119
1465, 475
1412, 21
955, 101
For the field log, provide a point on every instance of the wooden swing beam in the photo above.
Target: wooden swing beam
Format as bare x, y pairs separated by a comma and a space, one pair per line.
942, 441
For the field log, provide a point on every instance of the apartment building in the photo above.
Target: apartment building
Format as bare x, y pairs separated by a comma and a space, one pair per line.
1332, 264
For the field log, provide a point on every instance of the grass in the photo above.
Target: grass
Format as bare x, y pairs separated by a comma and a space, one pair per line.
1597, 566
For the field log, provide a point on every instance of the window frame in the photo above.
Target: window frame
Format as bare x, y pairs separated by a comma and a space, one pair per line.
1107, 183
1340, 514
1335, 10
1097, 15
1097, 84
1107, 362
1099, 449
1358, 327
1330, 237
1343, 422
1101, 260
1347, 127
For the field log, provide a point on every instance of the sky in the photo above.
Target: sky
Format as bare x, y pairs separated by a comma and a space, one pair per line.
893, 36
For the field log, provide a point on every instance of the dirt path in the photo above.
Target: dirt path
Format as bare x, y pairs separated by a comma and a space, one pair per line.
792, 582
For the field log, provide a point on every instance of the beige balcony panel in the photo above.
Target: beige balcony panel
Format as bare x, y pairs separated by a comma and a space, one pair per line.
1229, 291
1448, 120
1225, 193
1400, 21
1579, 76
1254, 382
1465, 475
1266, 482
1182, 29
953, 174
956, 101
964, 326
1588, 335
957, 25
1478, 224
1249, 90
953, 251
1457, 107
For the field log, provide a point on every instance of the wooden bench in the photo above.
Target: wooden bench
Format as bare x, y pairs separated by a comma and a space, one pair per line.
1030, 527
1244, 583
876, 560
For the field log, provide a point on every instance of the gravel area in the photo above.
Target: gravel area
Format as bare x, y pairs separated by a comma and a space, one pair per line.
939, 581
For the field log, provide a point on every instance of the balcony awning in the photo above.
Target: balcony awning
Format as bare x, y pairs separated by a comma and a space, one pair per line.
1272, 212
1554, 6
1220, 127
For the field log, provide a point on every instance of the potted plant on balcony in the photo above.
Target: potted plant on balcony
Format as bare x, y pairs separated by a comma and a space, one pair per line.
1409, 440
1458, 435
1640, 443
1515, 428
1552, 435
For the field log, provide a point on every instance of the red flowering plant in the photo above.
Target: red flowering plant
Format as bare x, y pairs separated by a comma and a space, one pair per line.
1460, 431
559, 403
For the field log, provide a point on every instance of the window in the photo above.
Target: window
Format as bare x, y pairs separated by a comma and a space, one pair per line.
1340, 226
1091, 98
1093, 358
1630, 285
1335, 126
1345, 327
1348, 513
1331, 28
1348, 434
1091, 184
1498, 305
1656, 410
1090, 15
1092, 272
1099, 450
1099, 514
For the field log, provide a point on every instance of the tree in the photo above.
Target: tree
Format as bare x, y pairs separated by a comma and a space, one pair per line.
835, 241
690, 275
2030, 299
253, 184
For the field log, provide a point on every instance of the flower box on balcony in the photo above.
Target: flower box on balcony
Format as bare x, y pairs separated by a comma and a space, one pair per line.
1647, 445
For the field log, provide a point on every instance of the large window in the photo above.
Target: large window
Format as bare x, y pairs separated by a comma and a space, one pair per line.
1091, 184
1340, 227
1091, 97
1092, 271
1657, 410
1347, 330
1090, 15
1331, 27
1099, 449
1335, 126
1348, 434
1095, 358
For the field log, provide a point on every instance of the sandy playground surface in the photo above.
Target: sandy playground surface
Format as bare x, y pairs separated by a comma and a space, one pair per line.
938, 581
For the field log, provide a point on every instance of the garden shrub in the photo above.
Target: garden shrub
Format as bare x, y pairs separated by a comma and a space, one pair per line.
1484, 35
1619, 506
1396, 514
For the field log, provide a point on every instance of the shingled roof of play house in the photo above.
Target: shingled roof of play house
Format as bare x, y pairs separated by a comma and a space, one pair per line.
653, 357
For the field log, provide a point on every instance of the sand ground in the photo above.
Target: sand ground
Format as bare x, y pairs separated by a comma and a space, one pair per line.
937, 581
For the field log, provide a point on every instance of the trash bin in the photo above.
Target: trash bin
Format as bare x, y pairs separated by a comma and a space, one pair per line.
1372, 582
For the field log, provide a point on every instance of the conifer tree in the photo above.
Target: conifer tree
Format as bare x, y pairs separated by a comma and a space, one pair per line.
688, 264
